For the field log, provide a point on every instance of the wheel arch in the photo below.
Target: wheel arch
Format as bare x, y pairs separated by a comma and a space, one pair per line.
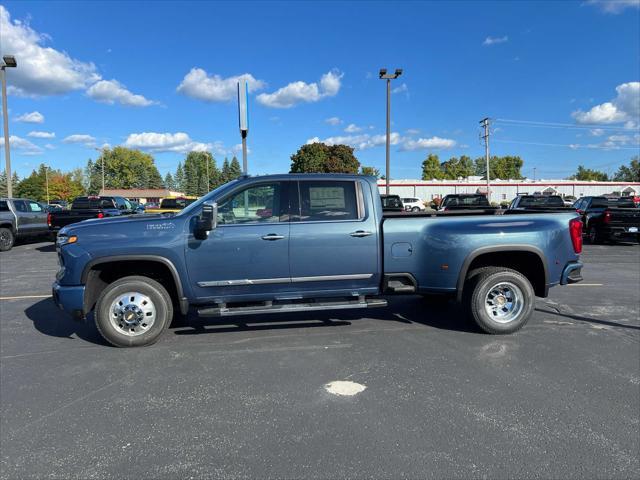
101, 271
526, 259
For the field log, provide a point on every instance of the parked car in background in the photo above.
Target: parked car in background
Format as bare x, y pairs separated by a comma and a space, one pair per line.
171, 205
137, 206
85, 208
609, 219
412, 204
20, 218
391, 203
464, 201
539, 203
62, 204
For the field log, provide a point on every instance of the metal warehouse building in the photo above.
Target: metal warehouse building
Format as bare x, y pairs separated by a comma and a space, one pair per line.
506, 190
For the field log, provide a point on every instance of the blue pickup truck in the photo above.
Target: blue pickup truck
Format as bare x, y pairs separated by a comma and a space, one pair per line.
303, 242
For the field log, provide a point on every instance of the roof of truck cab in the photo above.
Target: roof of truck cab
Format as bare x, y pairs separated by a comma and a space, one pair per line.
310, 176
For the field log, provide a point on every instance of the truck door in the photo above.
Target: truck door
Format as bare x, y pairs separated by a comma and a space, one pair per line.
334, 238
38, 218
24, 222
247, 254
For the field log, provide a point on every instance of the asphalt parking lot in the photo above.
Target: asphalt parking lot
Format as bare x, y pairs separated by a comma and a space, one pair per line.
560, 399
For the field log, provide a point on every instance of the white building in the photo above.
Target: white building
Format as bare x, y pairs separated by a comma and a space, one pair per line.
506, 190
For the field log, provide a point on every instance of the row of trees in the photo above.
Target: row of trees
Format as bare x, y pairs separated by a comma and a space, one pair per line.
508, 167
60, 185
200, 174
626, 173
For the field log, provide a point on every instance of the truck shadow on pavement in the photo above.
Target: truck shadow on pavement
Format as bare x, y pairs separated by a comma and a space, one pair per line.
49, 320
582, 318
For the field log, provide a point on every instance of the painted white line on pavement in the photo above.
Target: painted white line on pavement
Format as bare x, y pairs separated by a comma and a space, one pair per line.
585, 285
24, 296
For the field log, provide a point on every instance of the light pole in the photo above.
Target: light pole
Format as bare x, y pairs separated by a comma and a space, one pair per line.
102, 158
388, 77
8, 61
46, 179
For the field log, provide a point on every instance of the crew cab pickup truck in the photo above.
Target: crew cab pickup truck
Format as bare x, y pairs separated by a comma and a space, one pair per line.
20, 218
84, 208
609, 219
304, 242
464, 201
172, 205
538, 203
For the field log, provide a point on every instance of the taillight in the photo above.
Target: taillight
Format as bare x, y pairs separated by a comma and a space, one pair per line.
607, 217
575, 229
100, 215
49, 219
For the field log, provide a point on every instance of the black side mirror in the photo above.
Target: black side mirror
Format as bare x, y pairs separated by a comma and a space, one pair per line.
207, 220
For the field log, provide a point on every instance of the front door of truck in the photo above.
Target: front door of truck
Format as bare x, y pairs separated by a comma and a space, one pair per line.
247, 254
334, 238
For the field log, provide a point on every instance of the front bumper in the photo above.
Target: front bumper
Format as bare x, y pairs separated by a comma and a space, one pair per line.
69, 299
572, 273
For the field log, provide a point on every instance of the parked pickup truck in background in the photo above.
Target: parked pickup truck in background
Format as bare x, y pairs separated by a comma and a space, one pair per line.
84, 208
172, 204
464, 201
20, 218
609, 219
303, 242
538, 203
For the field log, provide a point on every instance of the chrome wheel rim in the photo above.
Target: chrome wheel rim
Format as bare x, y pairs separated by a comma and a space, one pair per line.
504, 302
132, 314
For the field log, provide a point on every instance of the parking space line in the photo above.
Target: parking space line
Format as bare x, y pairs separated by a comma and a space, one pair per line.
585, 285
25, 296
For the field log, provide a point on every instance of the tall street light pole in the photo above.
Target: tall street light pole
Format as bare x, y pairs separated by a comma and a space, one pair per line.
8, 61
46, 179
388, 77
485, 123
102, 158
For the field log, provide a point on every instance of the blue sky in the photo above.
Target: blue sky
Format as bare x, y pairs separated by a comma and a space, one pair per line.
161, 77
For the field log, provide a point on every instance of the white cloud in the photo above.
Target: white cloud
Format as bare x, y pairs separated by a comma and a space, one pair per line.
413, 131
427, 143
168, 142
353, 128
301, 92
495, 40
38, 134
596, 132
112, 91
80, 139
23, 146
614, 6
358, 142
42, 70
50, 146
400, 89
333, 121
624, 108
213, 88
31, 117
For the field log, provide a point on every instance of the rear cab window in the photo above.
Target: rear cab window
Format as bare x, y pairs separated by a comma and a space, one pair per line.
322, 201
4, 206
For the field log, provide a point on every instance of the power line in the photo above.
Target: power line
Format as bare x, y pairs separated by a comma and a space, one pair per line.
531, 123
573, 146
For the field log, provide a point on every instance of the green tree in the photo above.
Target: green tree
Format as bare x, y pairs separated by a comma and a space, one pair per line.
370, 171
225, 173
455, 168
629, 173
235, 170
169, 182
179, 178
200, 173
431, 168
505, 168
587, 174
123, 168
322, 158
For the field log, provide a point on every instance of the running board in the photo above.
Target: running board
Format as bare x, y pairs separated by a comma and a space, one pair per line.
269, 307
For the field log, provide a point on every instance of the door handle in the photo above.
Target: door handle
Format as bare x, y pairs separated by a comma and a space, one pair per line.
272, 237
360, 233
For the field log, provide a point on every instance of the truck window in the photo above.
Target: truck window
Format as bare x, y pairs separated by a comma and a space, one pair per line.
326, 201
176, 202
4, 206
256, 204
20, 206
35, 207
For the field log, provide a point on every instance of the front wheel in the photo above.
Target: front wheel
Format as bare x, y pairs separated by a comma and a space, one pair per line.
133, 312
415, 209
499, 300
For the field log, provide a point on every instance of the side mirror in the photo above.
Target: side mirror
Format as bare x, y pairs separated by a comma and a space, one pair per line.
207, 220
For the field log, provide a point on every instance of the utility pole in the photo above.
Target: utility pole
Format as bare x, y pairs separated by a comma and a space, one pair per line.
485, 123
7, 61
243, 119
46, 180
206, 161
534, 174
388, 77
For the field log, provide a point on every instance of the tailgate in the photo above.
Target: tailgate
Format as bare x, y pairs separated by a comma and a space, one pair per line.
624, 217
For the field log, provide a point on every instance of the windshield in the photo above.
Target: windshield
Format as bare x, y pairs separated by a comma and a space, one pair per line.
541, 201
176, 202
458, 201
211, 195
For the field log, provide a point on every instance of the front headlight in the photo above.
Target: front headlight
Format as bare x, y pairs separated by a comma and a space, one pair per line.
64, 239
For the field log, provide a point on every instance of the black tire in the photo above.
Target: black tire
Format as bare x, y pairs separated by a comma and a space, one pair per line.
145, 286
476, 294
594, 237
415, 209
7, 239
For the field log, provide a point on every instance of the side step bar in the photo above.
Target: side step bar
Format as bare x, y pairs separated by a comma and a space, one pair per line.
268, 307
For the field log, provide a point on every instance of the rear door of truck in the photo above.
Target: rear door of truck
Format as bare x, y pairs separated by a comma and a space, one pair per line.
334, 244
